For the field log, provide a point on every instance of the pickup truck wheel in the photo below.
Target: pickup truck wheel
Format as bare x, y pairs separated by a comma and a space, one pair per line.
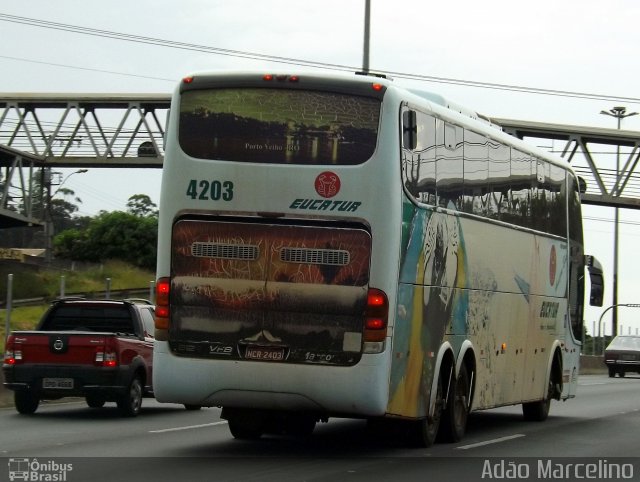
26, 402
130, 402
94, 401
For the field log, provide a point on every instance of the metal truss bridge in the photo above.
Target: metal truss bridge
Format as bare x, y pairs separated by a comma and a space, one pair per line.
104, 130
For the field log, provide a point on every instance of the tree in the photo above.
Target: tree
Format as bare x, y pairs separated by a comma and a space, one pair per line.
142, 206
63, 210
112, 235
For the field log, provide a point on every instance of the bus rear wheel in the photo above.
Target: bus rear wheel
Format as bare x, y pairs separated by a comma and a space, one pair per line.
454, 418
243, 431
425, 431
244, 424
301, 426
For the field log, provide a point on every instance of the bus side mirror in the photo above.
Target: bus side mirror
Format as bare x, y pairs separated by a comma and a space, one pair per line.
582, 185
409, 130
596, 275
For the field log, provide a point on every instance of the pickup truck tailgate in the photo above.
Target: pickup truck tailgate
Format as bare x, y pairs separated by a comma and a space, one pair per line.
59, 348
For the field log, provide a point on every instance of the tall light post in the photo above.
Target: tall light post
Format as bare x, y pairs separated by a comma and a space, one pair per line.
615, 308
619, 113
48, 211
367, 35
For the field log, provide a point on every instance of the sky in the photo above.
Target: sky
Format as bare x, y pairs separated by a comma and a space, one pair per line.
583, 46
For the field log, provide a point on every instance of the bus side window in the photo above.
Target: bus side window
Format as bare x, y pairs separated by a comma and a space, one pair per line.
520, 189
557, 201
419, 163
409, 130
476, 173
449, 165
499, 180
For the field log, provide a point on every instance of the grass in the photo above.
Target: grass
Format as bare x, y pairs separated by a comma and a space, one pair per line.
47, 284
122, 276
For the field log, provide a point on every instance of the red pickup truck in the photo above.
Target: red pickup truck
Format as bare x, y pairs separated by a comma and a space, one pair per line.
100, 349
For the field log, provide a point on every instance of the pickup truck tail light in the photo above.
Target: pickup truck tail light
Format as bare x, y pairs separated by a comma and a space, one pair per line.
106, 359
11, 355
163, 288
107, 356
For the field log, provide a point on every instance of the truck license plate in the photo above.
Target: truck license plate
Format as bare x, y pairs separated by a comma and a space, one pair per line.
64, 383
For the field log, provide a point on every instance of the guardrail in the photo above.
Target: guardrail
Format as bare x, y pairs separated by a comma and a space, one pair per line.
91, 295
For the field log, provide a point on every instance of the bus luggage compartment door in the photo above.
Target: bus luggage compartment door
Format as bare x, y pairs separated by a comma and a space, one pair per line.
269, 292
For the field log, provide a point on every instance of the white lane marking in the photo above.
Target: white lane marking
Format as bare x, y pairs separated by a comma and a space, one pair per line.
489, 442
189, 427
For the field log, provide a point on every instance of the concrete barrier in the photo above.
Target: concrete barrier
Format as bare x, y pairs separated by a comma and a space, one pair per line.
592, 364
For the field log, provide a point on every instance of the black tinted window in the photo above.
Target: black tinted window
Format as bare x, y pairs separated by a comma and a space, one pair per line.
89, 318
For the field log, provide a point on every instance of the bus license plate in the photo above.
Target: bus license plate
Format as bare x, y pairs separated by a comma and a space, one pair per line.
264, 353
64, 383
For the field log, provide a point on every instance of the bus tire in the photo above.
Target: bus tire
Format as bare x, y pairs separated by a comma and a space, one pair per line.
26, 402
244, 431
244, 423
301, 426
538, 411
425, 431
454, 417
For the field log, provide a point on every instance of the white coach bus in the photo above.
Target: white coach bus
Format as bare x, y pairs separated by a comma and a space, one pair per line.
338, 246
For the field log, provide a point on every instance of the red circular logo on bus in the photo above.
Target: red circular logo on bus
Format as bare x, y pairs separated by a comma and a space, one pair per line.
327, 184
553, 262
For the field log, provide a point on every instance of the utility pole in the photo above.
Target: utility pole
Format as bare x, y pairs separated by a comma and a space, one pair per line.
618, 113
48, 218
367, 35
48, 214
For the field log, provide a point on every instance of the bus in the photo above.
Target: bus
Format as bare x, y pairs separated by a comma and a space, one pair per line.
340, 246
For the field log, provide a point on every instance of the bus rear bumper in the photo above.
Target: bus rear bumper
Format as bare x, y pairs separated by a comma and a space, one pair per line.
360, 390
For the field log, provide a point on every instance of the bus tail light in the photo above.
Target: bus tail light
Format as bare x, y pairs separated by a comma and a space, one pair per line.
163, 287
375, 322
281, 78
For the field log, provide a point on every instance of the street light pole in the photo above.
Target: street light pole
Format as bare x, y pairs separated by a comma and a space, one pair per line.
615, 308
49, 231
367, 34
619, 113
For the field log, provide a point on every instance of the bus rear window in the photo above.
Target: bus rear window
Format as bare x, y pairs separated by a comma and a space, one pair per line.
278, 126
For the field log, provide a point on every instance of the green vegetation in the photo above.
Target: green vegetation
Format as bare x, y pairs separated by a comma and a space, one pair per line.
22, 318
46, 283
130, 236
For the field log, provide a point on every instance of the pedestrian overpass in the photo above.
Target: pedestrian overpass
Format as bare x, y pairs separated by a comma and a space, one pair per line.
53, 131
